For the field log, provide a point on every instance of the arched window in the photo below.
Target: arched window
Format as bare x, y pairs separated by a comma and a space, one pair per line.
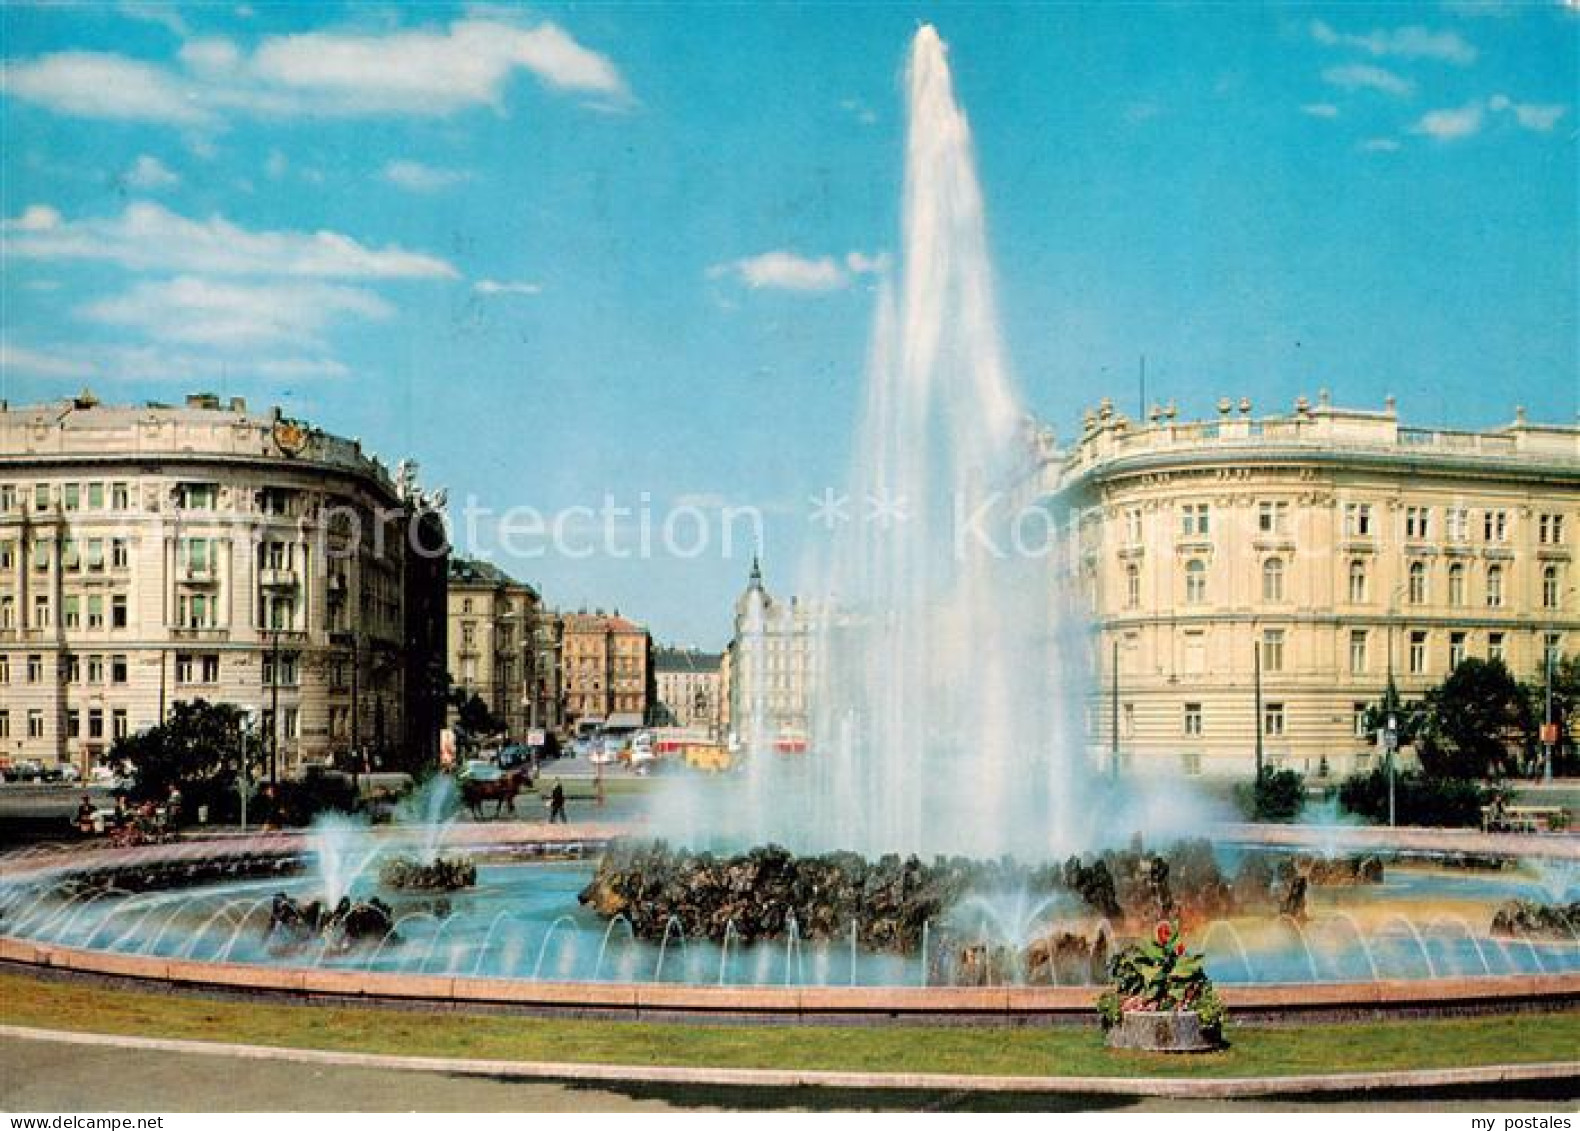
1357, 582
1273, 579
1456, 584
1417, 583
1495, 587
1132, 586
1195, 582
1550, 587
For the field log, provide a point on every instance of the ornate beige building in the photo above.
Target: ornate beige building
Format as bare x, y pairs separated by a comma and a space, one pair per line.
1332, 545
606, 671
154, 554
771, 665
503, 646
689, 683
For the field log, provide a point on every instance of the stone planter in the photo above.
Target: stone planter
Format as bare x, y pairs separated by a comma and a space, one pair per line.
1160, 1032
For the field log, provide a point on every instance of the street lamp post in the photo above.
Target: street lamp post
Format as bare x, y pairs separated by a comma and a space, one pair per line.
1391, 705
1256, 718
1113, 761
244, 784
274, 707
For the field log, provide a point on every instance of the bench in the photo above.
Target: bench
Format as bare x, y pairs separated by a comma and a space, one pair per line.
1522, 818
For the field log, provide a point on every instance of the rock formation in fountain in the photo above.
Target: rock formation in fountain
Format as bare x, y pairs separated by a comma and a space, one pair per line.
1526, 919
294, 925
407, 873
894, 901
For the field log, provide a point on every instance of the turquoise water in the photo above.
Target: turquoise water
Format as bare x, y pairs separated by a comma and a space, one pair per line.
522, 921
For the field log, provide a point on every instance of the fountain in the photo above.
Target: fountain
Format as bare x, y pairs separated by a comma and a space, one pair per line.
943, 832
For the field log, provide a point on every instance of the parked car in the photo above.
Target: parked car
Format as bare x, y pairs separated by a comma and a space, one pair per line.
66, 773
480, 769
28, 769
513, 756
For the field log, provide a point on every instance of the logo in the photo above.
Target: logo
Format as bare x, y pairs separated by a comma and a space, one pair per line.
290, 436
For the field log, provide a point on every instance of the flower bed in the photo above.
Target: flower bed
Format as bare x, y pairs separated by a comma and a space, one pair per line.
1161, 998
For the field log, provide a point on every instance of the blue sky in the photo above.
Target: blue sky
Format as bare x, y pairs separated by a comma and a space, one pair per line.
568, 250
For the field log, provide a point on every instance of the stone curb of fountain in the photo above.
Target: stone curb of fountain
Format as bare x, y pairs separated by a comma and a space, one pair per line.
1174, 1088
805, 1004
1405, 838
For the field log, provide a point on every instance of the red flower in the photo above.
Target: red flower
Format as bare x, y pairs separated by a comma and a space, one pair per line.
1179, 949
1164, 933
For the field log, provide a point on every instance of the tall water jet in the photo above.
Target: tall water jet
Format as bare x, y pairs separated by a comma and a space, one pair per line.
949, 675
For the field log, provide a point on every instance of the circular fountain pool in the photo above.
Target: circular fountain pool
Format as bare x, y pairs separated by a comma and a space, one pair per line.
202, 912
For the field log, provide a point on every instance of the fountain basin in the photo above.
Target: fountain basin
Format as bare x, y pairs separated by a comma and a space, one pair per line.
518, 941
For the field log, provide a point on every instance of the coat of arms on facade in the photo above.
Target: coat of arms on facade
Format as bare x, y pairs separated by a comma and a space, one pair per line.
291, 436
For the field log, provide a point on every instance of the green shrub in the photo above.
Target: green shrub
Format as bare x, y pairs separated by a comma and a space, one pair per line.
1418, 799
1277, 796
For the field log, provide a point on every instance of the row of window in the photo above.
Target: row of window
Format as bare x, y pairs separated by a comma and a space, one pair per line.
97, 495
120, 724
73, 667
75, 556
1272, 518
116, 495
76, 611
193, 610
1416, 589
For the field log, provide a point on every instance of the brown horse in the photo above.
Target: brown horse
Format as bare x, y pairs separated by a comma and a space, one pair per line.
502, 792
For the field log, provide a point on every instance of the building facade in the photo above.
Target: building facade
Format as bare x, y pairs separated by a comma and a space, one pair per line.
495, 646
154, 554
1296, 561
606, 671
689, 685
772, 667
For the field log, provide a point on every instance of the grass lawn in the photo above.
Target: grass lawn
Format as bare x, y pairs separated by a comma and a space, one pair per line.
1374, 1046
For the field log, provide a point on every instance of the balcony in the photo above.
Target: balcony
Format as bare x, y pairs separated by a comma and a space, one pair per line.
203, 633
273, 578
197, 575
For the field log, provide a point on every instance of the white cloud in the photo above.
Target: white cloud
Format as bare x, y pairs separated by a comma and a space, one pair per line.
210, 56
790, 271
203, 311
157, 363
154, 12
1404, 43
92, 84
429, 72
496, 287
276, 165
1380, 145
17, 359
148, 237
1320, 110
1529, 115
417, 177
36, 218
1450, 125
149, 174
1364, 76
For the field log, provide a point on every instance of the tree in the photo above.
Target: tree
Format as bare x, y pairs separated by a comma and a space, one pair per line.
198, 748
1409, 717
1278, 795
472, 714
1566, 711
1472, 719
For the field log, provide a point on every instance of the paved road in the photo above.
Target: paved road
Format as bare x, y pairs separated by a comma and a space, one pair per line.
42, 1076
